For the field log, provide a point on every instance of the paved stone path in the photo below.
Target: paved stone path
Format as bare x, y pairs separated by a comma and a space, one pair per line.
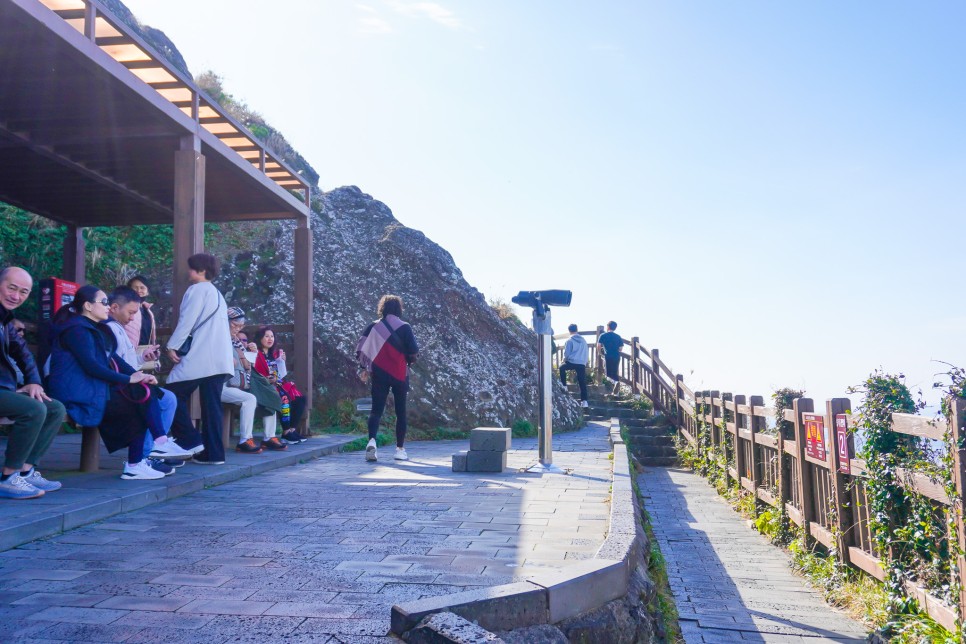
729, 583
317, 552
88, 497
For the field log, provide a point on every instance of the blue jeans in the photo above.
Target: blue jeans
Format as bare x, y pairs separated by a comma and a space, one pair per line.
168, 405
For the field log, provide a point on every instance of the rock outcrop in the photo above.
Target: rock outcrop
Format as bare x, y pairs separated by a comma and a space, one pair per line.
475, 367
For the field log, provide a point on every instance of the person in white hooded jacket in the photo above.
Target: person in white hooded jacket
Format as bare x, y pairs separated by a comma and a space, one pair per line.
206, 366
575, 359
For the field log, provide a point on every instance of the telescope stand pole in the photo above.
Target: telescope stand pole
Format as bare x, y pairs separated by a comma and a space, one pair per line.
545, 427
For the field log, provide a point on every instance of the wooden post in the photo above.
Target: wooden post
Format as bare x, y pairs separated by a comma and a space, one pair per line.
725, 440
740, 463
753, 422
90, 21
635, 356
840, 494
958, 429
805, 488
303, 315
784, 471
713, 420
655, 379
74, 255
90, 459
599, 356
189, 214
679, 387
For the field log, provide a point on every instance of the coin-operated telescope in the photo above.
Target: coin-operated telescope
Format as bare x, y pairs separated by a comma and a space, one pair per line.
540, 302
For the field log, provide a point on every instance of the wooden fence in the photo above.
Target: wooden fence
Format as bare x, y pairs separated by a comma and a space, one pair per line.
823, 493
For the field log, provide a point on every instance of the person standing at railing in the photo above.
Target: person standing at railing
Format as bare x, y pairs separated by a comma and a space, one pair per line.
611, 344
575, 359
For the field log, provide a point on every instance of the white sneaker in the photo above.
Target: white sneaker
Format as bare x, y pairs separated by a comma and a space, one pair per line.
371, 450
16, 487
191, 450
401, 454
140, 471
169, 449
583, 403
39, 482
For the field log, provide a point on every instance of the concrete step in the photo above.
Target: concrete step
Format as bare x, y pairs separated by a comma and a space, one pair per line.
662, 440
649, 461
654, 450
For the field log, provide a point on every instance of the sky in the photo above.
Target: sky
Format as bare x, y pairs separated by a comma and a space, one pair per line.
773, 194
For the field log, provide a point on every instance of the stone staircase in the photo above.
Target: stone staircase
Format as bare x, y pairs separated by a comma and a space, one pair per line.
650, 435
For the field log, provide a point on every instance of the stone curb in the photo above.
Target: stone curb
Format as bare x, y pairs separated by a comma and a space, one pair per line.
549, 598
138, 495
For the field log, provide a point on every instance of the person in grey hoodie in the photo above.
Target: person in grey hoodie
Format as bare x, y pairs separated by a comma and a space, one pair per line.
575, 359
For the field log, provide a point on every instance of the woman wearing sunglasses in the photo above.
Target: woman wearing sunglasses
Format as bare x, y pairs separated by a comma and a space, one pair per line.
100, 390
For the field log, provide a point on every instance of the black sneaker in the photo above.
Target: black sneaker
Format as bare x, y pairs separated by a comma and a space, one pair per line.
201, 458
293, 437
159, 465
173, 462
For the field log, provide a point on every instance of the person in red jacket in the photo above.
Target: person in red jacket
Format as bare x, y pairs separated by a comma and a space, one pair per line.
386, 349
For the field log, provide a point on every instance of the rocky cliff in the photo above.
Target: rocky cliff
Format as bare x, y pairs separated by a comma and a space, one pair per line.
475, 368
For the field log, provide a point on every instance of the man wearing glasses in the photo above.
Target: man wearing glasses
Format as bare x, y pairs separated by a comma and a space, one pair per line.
36, 417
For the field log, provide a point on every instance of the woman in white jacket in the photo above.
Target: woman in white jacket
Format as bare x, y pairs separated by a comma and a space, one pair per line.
203, 317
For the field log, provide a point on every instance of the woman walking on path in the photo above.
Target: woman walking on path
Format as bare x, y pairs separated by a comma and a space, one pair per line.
385, 350
201, 350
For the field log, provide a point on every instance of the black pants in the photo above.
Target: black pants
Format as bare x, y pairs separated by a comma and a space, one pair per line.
581, 370
381, 386
184, 431
612, 363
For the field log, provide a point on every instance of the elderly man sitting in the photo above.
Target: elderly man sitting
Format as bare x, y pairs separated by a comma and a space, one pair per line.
36, 417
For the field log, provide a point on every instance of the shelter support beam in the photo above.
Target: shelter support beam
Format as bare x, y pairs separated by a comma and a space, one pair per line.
189, 214
303, 314
74, 255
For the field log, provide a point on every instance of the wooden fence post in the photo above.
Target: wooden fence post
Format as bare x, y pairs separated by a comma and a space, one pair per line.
753, 421
805, 488
598, 357
740, 463
713, 421
655, 379
678, 385
840, 495
635, 356
958, 430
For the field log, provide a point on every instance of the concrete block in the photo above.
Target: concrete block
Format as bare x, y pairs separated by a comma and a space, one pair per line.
582, 587
477, 461
497, 607
459, 461
447, 628
490, 439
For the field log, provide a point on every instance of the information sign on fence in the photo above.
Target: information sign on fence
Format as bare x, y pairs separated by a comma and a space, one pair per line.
814, 435
842, 442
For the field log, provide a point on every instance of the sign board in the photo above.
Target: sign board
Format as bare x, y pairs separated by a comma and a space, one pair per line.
55, 293
842, 443
815, 436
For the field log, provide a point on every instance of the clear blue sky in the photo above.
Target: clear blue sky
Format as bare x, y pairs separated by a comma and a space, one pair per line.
771, 193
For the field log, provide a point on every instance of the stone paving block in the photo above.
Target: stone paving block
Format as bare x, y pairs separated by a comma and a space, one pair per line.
78, 615
311, 609
485, 461
160, 604
191, 580
490, 439
61, 599
225, 607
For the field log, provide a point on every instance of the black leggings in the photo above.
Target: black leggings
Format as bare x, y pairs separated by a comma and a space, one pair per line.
381, 386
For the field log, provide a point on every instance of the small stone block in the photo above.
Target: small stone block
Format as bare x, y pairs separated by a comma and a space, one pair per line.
582, 587
459, 462
490, 439
447, 628
477, 461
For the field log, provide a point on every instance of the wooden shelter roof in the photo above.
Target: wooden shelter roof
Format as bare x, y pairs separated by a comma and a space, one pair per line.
91, 118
